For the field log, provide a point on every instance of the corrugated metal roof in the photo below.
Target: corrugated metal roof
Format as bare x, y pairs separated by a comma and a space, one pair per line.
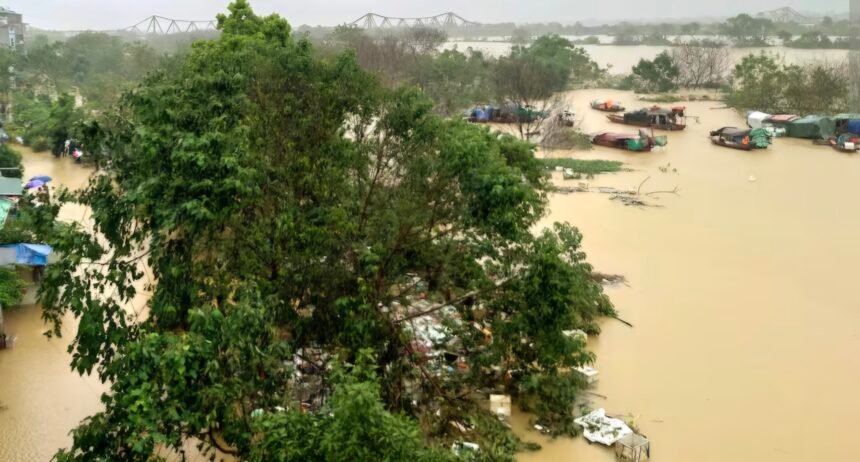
11, 187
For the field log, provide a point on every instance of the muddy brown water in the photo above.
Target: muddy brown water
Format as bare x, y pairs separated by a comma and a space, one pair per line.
741, 293
41, 398
742, 296
620, 59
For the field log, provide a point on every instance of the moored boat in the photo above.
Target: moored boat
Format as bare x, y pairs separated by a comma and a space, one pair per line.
606, 105
846, 142
655, 117
745, 140
640, 142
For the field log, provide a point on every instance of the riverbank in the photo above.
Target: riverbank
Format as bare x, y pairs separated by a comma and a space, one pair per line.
735, 287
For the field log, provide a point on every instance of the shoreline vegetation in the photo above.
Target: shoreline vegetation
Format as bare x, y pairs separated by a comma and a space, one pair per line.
584, 166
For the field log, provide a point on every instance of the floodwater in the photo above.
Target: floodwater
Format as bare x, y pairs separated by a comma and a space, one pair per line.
621, 59
41, 399
742, 293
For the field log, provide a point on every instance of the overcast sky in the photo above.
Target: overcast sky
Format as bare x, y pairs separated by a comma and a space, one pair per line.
118, 14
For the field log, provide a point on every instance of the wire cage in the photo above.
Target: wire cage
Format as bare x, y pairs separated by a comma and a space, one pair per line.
633, 447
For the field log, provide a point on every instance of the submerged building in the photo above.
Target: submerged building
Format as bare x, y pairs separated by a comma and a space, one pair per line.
11, 28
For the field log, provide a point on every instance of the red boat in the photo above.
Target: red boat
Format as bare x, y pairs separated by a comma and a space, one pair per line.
606, 106
640, 142
662, 119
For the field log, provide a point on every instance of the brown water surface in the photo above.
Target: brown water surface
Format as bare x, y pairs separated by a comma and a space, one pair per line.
620, 59
41, 398
747, 325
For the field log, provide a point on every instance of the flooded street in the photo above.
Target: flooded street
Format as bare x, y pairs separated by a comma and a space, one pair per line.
41, 399
741, 293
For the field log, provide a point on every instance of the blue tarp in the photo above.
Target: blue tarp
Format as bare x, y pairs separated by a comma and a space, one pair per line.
29, 254
481, 115
853, 126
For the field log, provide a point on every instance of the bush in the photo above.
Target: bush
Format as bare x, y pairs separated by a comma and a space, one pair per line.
40, 144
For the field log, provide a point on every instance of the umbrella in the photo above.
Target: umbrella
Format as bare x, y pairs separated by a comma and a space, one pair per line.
42, 178
34, 184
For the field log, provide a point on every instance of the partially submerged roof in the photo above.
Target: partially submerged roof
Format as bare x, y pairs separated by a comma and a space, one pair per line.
11, 187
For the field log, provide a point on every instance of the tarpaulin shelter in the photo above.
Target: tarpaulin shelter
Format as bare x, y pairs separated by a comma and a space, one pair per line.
756, 119
847, 123
25, 254
812, 127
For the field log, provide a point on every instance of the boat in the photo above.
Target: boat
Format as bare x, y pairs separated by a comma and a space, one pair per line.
640, 142
731, 137
745, 140
567, 118
655, 117
606, 106
846, 142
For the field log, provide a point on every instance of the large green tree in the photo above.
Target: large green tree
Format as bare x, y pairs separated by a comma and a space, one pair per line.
659, 74
298, 218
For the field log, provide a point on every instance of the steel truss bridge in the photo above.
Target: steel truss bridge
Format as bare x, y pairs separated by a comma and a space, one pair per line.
442, 21
159, 25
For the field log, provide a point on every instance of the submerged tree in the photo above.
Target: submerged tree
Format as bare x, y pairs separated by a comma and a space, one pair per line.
659, 74
298, 218
764, 82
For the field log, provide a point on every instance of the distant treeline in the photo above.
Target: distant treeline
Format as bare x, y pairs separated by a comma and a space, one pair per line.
742, 31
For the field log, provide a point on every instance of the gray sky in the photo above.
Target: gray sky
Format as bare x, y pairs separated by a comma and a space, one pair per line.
117, 14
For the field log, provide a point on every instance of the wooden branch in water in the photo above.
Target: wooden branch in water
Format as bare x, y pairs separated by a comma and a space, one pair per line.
639, 189
674, 191
619, 319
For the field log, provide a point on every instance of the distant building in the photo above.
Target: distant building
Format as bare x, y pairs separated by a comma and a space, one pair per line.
11, 28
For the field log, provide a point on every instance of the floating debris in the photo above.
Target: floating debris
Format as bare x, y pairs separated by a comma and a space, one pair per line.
589, 373
600, 428
500, 406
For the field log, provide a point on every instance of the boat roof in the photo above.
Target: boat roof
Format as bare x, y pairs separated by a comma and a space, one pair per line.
846, 116
732, 131
616, 136
783, 118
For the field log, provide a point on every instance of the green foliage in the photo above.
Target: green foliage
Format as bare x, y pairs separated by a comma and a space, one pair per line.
284, 202
659, 74
748, 31
98, 65
585, 166
12, 287
535, 73
455, 80
762, 82
10, 159
356, 426
45, 124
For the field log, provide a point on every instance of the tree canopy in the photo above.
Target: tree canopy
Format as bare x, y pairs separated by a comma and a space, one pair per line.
764, 82
659, 74
306, 227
